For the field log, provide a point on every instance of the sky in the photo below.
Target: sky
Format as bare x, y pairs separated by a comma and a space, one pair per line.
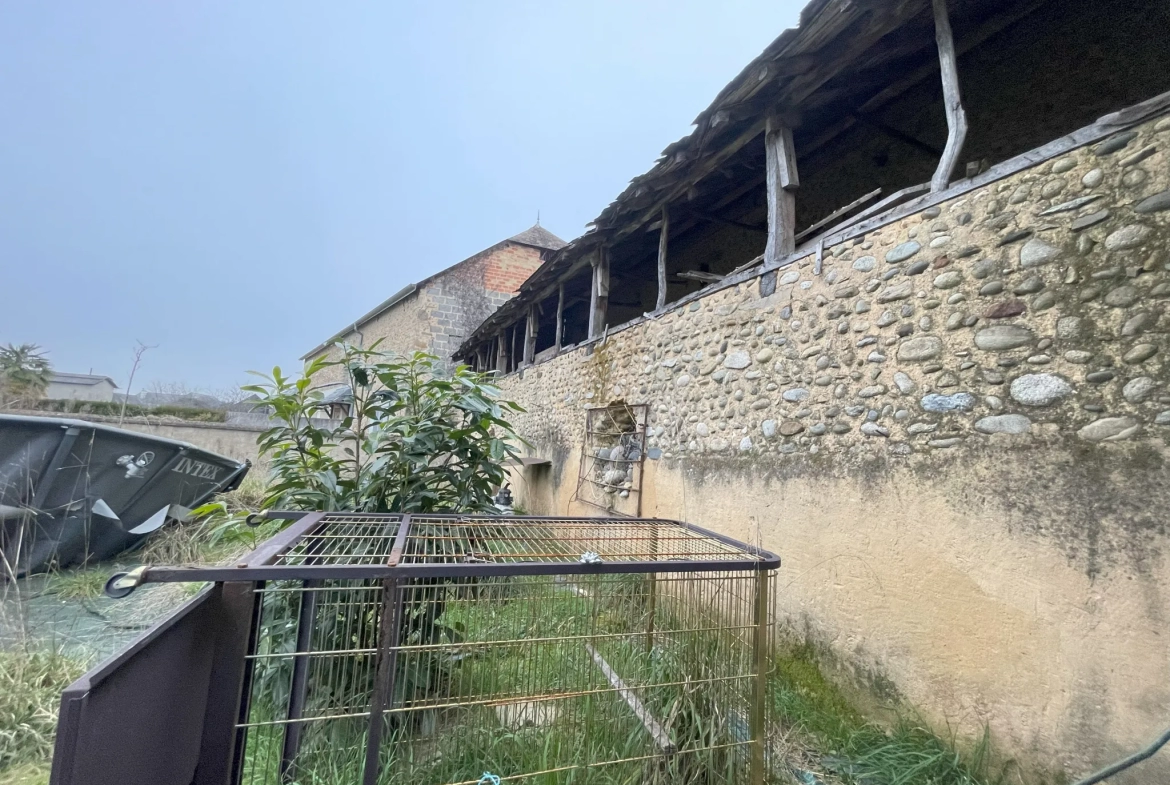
231, 183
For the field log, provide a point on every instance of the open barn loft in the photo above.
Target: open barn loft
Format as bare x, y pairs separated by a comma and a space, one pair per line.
868, 107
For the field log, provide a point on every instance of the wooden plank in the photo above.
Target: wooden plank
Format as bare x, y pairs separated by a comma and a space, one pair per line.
663, 238
699, 275
560, 316
512, 347
818, 265
781, 179
599, 297
828, 219
501, 355
530, 335
704, 167
652, 726
952, 101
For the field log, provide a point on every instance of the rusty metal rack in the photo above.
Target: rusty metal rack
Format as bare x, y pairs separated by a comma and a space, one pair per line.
613, 455
432, 648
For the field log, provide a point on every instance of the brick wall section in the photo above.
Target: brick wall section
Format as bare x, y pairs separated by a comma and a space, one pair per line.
440, 315
508, 267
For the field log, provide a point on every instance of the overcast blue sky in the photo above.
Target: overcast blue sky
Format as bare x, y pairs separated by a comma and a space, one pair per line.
234, 181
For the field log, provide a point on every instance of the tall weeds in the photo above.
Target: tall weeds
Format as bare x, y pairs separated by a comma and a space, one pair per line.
30, 691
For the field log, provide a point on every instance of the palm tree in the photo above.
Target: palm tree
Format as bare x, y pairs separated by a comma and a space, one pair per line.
24, 374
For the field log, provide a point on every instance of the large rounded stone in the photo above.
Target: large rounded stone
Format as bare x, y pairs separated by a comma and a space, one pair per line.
901, 253
1003, 337
737, 361
948, 280
796, 395
1109, 429
1137, 390
1005, 309
917, 350
896, 292
1127, 237
865, 264
1036, 252
1138, 323
1122, 297
1004, 423
1040, 389
791, 427
1140, 353
955, 402
1154, 204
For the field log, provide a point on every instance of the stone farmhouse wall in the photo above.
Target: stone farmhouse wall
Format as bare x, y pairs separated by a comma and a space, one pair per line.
447, 307
955, 436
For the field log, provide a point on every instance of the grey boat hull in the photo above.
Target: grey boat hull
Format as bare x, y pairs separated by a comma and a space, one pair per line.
73, 492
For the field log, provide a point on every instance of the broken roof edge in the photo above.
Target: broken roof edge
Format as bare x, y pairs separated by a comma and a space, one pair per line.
1100, 129
819, 21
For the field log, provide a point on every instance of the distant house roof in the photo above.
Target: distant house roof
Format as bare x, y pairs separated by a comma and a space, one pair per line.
535, 237
80, 378
539, 237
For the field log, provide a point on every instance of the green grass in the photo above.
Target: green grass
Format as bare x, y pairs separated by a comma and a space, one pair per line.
863, 751
83, 584
30, 692
584, 734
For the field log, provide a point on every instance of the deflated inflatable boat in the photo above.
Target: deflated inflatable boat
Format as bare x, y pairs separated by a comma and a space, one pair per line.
74, 491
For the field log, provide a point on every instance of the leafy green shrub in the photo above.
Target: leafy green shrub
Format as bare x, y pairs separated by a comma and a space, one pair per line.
414, 439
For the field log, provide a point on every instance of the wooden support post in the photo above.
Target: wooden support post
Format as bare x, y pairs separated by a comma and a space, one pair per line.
663, 233
530, 335
952, 101
782, 180
599, 299
560, 317
512, 349
501, 355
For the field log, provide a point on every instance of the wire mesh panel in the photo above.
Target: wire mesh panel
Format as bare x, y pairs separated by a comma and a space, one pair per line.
541, 650
612, 457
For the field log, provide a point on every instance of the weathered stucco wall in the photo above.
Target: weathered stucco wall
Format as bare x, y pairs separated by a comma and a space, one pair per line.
955, 436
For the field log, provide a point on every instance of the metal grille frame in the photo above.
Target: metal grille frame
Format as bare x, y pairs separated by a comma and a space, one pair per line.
599, 627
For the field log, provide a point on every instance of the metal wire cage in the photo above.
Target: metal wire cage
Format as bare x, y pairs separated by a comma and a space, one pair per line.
440, 649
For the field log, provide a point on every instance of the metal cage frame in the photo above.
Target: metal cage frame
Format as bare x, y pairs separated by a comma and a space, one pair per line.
389, 556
